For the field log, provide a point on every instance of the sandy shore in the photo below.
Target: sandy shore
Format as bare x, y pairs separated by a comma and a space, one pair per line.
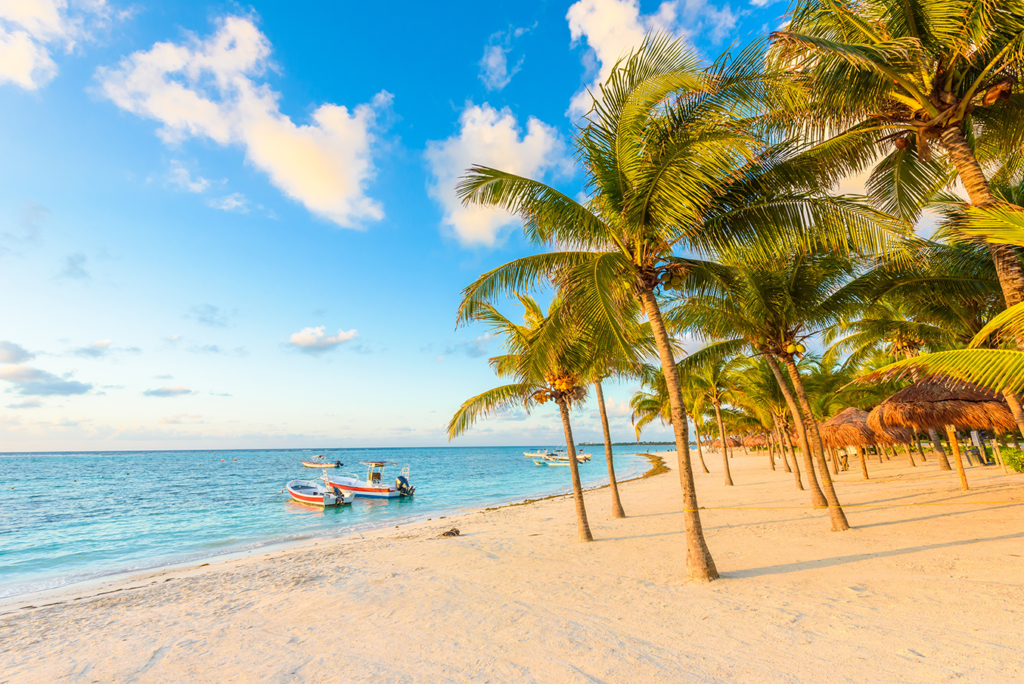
915, 593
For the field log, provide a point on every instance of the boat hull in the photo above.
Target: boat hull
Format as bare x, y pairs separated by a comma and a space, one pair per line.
364, 489
314, 464
314, 494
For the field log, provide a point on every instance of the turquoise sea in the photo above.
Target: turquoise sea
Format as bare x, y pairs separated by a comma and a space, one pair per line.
70, 517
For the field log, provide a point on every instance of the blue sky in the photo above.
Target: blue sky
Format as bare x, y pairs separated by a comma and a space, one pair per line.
228, 225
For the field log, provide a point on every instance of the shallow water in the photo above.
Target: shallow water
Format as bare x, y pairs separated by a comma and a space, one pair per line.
77, 516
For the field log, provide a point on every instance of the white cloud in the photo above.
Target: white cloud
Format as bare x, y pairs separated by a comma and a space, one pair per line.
29, 29
165, 391
317, 341
612, 28
236, 201
494, 71
488, 137
207, 89
13, 353
34, 382
95, 350
180, 177
27, 403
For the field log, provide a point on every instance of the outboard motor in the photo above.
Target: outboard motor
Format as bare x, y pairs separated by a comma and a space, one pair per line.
403, 486
338, 464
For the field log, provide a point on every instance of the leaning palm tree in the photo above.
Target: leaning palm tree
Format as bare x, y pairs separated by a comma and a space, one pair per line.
558, 380
911, 74
769, 308
670, 163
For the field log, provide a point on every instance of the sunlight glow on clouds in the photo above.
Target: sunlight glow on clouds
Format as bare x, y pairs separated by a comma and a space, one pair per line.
206, 89
612, 28
488, 137
317, 341
30, 28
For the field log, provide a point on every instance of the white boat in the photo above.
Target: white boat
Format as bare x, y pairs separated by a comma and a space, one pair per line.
373, 485
556, 457
318, 493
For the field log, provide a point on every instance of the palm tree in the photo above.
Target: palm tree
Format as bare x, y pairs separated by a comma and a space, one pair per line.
769, 308
914, 72
999, 370
671, 163
617, 510
714, 380
652, 402
760, 395
940, 301
558, 380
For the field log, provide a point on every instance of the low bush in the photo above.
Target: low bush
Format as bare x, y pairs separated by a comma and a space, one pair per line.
1014, 458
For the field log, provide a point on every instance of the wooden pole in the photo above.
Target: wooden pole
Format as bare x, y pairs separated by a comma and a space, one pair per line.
863, 462
910, 454
955, 446
999, 455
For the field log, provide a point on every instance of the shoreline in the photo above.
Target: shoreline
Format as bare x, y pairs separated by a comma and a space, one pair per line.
22, 601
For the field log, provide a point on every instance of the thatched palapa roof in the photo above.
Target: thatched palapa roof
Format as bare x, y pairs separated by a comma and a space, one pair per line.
733, 442
930, 404
850, 427
755, 441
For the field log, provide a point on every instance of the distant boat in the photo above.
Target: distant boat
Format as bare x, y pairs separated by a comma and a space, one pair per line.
556, 457
374, 486
318, 494
319, 463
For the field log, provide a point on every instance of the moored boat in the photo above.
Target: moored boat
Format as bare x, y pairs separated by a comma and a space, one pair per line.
317, 493
318, 462
373, 485
556, 457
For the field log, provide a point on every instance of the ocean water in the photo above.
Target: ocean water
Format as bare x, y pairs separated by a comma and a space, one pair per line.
70, 517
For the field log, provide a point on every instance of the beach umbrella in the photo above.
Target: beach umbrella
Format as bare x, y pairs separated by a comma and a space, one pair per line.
931, 404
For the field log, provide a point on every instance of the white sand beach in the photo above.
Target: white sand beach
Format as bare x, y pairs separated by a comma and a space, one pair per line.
916, 592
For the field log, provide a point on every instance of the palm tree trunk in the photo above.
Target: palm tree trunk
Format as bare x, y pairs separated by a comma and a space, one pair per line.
955, 446
725, 449
617, 511
700, 450
796, 464
910, 455
1013, 401
582, 526
937, 444
1007, 263
818, 499
699, 563
863, 462
839, 522
771, 452
920, 451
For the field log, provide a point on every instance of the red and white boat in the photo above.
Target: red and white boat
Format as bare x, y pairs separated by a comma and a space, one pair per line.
374, 485
318, 493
